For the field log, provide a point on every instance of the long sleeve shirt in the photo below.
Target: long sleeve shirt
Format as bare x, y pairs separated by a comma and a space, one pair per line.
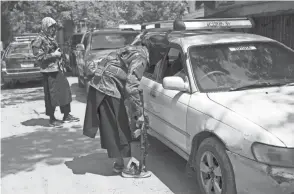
42, 49
119, 75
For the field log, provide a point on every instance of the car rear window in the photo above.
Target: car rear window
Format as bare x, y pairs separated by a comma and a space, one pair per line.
111, 40
19, 50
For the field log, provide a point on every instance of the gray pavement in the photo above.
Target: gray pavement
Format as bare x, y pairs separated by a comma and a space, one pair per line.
38, 159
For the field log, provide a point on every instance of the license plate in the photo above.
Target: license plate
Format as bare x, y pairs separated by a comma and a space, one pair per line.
26, 65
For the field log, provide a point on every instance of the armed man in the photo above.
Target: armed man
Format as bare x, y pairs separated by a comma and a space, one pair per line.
115, 79
56, 87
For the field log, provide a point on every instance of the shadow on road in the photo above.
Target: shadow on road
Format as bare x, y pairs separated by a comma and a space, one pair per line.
96, 163
36, 122
30, 84
22, 153
18, 96
55, 146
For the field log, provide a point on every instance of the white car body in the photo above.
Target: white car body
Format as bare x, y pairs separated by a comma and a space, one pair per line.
238, 119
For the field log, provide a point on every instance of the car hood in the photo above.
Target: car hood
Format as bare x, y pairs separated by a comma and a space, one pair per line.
270, 108
96, 54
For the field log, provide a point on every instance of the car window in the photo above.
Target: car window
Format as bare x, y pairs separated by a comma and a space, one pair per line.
156, 55
227, 66
19, 50
172, 64
111, 40
76, 39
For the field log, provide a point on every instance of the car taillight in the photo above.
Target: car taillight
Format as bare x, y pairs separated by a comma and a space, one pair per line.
272, 155
3, 66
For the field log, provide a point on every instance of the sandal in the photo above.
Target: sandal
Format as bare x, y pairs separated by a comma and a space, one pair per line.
118, 168
133, 172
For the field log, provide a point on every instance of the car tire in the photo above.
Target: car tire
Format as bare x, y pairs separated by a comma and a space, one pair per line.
218, 173
80, 82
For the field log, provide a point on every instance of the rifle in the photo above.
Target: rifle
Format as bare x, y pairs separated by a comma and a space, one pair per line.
63, 63
143, 137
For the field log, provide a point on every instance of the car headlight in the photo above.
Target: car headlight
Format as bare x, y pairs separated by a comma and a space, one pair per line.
272, 155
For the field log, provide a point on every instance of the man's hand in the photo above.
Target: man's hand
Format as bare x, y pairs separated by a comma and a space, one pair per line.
141, 120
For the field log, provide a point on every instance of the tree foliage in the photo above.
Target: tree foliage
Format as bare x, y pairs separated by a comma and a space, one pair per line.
26, 16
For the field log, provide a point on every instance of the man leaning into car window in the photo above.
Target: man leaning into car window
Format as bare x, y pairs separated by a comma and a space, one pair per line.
112, 81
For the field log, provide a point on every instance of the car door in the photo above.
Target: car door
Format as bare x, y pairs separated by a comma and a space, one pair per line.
80, 55
168, 108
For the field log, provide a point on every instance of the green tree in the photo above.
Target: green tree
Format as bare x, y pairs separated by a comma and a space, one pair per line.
26, 16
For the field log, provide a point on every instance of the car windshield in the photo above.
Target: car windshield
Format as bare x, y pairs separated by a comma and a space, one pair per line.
20, 50
229, 67
111, 40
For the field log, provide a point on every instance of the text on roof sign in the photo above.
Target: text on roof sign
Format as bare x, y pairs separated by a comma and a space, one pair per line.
242, 48
218, 24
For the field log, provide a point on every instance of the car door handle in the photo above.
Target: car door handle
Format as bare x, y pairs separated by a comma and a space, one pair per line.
152, 93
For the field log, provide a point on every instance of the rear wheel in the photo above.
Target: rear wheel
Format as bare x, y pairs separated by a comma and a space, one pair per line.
214, 171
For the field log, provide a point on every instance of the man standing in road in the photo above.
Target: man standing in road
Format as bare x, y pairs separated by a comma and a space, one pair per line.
115, 79
56, 87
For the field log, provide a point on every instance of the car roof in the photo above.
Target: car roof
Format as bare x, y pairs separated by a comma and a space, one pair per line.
197, 38
218, 38
106, 31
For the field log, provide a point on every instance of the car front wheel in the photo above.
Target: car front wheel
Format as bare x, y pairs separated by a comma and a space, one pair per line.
214, 171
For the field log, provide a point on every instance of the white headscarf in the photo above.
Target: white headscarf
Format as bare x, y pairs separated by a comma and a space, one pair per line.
46, 23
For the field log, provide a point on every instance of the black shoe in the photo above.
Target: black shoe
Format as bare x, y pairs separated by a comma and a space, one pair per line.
70, 118
55, 123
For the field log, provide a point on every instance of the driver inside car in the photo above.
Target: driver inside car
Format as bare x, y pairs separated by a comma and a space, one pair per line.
174, 67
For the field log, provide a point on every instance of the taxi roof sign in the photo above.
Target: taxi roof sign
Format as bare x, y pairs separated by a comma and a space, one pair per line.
130, 26
203, 24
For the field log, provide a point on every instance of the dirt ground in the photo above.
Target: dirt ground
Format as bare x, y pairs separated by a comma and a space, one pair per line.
37, 159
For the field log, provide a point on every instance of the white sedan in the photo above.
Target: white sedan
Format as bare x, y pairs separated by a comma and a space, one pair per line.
224, 101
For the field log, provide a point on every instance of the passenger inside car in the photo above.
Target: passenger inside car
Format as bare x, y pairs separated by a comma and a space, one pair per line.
174, 67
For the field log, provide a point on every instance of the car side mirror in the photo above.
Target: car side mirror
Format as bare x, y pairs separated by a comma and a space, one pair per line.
175, 83
80, 47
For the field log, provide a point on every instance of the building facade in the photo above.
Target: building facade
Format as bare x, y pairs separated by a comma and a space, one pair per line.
272, 19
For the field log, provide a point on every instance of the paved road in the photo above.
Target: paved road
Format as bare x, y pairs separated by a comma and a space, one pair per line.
38, 159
